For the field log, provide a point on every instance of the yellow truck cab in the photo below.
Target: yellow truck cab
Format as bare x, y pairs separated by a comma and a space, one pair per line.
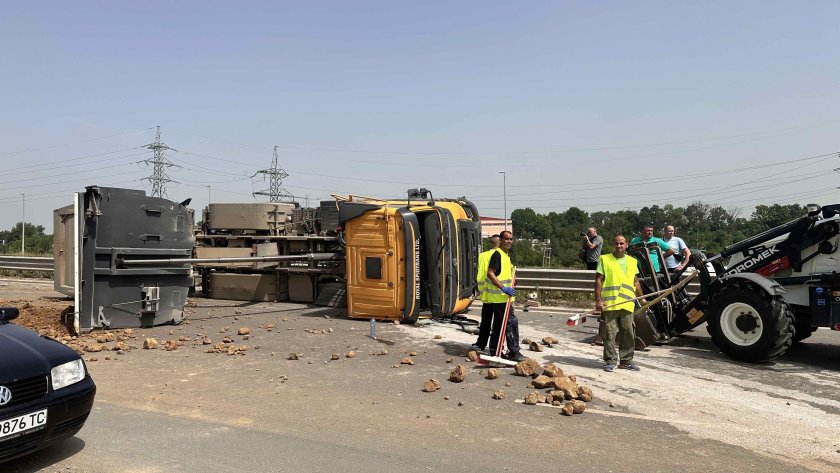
408, 259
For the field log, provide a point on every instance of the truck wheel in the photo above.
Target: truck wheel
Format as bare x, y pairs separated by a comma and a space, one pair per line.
750, 326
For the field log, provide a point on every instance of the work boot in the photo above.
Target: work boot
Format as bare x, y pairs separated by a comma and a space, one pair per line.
516, 356
477, 348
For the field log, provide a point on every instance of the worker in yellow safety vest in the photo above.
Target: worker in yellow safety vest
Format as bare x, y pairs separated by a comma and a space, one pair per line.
498, 290
616, 288
486, 312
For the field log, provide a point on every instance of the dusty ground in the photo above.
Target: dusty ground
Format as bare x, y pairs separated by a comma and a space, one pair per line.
689, 409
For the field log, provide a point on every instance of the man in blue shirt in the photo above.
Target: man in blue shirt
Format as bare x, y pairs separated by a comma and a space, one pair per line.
647, 237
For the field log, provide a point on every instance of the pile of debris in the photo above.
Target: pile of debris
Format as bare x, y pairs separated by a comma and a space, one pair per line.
560, 387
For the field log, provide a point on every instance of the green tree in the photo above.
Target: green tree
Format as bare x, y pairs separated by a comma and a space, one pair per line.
37, 242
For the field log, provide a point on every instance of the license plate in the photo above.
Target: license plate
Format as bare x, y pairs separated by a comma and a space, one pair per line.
11, 427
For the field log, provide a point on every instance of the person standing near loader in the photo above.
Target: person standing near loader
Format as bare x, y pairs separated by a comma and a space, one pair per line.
679, 259
486, 308
499, 290
646, 237
616, 286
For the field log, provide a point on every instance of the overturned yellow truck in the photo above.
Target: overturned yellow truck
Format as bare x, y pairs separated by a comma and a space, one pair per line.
409, 259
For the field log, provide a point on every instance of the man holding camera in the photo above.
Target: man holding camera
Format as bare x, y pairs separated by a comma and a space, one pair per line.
591, 247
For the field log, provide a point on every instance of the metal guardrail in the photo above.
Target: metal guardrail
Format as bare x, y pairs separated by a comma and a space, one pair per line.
567, 280
27, 263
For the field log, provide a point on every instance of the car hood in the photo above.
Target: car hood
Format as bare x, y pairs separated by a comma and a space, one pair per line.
24, 353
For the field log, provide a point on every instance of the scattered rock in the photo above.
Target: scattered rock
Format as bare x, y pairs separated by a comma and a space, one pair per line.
567, 410
529, 367
350, 354
407, 361
412, 353
227, 340
150, 344
542, 382
460, 404
101, 339
550, 341
121, 346
431, 386
584, 393
93, 358
472, 355
458, 374
507, 385
526, 341
549, 398
552, 371
577, 406
437, 337
94, 347
449, 360
295, 356
206, 341
384, 351
563, 383
534, 346
499, 395
170, 345
532, 398
492, 373
335, 356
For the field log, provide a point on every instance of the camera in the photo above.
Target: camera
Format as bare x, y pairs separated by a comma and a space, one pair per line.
582, 233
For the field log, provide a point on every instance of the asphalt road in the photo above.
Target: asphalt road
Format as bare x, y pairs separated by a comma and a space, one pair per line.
689, 409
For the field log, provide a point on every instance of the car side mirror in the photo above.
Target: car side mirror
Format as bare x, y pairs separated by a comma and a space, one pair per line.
9, 313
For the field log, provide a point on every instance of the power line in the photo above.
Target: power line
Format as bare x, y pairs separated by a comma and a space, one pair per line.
570, 150
74, 142
52, 164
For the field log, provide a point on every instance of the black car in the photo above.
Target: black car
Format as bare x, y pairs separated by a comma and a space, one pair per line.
46, 392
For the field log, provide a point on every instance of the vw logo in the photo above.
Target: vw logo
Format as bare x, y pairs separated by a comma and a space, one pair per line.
5, 395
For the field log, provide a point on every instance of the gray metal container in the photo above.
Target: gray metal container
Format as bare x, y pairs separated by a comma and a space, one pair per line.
258, 217
110, 225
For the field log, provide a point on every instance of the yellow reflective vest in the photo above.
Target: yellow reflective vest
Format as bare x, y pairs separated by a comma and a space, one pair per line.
619, 285
491, 293
483, 263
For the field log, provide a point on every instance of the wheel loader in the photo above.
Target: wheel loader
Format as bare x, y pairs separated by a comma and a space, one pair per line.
758, 296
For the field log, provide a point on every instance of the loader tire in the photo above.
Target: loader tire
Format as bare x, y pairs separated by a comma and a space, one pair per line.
750, 325
803, 331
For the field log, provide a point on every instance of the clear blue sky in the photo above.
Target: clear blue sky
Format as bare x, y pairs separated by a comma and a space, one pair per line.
599, 105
